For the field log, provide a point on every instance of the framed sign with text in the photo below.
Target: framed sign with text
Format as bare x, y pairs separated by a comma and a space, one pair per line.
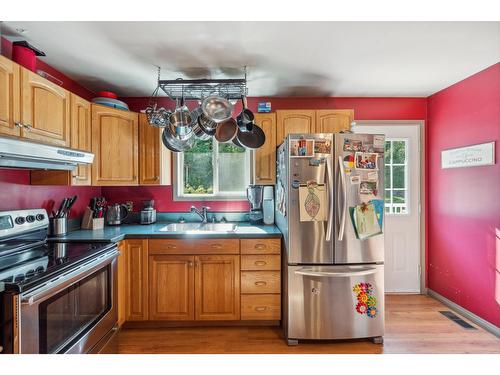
469, 156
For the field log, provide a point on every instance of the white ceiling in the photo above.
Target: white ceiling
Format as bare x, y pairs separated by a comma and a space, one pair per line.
283, 58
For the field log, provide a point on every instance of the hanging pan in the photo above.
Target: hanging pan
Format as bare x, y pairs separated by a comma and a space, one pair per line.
253, 139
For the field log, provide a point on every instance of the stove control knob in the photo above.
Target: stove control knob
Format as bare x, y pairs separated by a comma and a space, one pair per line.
20, 220
40, 217
30, 218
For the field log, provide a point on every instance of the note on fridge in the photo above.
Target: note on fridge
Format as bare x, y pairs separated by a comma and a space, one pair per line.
312, 202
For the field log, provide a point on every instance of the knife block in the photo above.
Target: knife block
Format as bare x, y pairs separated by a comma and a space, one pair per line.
90, 222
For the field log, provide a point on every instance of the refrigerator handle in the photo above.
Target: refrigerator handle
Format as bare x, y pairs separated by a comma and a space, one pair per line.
308, 272
344, 203
330, 180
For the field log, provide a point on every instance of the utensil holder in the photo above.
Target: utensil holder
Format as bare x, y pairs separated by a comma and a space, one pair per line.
58, 226
90, 222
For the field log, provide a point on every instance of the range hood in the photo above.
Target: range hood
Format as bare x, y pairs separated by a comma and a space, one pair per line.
31, 155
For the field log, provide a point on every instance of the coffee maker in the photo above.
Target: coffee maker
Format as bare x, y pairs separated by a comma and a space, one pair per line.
255, 195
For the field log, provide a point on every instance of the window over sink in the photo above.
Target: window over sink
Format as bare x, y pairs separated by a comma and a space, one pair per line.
212, 171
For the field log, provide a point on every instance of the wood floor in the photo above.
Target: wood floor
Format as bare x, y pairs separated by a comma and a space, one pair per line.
413, 325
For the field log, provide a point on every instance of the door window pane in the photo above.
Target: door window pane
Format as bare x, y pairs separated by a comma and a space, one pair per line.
396, 176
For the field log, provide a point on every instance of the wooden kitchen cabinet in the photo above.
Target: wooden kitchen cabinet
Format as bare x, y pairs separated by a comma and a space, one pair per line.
154, 158
333, 120
294, 121
45, 110
265, 157
171, 285
136, 282
9, 97
217, 287
115, 144
80, 140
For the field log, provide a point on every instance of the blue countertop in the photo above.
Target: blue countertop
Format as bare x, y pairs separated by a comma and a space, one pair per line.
120, 232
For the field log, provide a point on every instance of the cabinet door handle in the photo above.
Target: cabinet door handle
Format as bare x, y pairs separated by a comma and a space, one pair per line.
157, 178
171, 247
261, 308
190, 264
216, 246
260, 263
260, 246
27, 127
19, 125
260, 283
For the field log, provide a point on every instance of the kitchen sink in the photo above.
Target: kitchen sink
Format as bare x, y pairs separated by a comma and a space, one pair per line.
199, 228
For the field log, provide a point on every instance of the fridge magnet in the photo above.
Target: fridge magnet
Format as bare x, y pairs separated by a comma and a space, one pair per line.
372, 176
349, 161
355, 180
312, 201
378, 143
322, 146
368, 187
365, 160
301, 147
379, 210
353, 145
367, 302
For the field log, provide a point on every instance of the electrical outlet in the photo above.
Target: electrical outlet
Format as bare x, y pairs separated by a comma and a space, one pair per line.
130, 206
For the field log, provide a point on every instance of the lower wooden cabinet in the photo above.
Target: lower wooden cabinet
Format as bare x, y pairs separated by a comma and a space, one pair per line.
171, 285
184, 280
217, 287
136, 280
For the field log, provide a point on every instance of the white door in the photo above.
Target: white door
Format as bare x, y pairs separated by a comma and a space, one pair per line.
402, 209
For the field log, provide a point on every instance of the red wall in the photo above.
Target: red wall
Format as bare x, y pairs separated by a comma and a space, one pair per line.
364, 109
464, 203
67, 82
17, 193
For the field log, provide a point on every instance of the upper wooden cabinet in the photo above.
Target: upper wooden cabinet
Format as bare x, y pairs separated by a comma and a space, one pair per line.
265, 157
9, 97
154, 158
217, 287
294, 121
333, 120
45, 110
115, 146
81, 140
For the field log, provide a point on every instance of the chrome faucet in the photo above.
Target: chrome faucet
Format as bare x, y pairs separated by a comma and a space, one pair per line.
203, 214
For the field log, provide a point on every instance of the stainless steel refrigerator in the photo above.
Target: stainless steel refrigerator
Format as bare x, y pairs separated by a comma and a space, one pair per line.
329, 207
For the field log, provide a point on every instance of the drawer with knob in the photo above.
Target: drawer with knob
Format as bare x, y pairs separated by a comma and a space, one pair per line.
260, 307
195, 247
264, 262
261, 246
260, 282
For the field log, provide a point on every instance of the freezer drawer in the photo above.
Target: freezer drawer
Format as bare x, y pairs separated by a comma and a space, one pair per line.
335, 302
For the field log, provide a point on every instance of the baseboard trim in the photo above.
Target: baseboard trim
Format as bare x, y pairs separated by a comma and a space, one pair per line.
466, 313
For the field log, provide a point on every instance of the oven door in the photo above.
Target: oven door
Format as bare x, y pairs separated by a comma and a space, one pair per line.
73, 312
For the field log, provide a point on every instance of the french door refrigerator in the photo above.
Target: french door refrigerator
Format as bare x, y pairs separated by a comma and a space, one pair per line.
329, 207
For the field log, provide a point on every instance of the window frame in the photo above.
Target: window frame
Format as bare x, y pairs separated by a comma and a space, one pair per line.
178, 178
391, 166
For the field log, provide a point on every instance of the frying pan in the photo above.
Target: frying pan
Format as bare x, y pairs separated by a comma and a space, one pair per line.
251, 139
226, 131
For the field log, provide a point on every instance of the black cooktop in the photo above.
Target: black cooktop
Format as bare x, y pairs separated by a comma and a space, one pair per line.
26, 268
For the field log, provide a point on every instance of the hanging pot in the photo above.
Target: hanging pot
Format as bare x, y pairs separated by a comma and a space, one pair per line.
204, 128
216, 108
174, 144
226, 131
246, 117
180, 120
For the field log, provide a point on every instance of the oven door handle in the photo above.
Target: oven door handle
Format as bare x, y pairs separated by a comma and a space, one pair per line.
60, 282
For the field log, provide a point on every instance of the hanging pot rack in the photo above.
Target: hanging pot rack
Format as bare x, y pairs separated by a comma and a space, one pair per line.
197, 89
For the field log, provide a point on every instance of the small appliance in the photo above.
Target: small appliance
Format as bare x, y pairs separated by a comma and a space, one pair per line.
268, 205
148, 212
116, 213
254, 196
